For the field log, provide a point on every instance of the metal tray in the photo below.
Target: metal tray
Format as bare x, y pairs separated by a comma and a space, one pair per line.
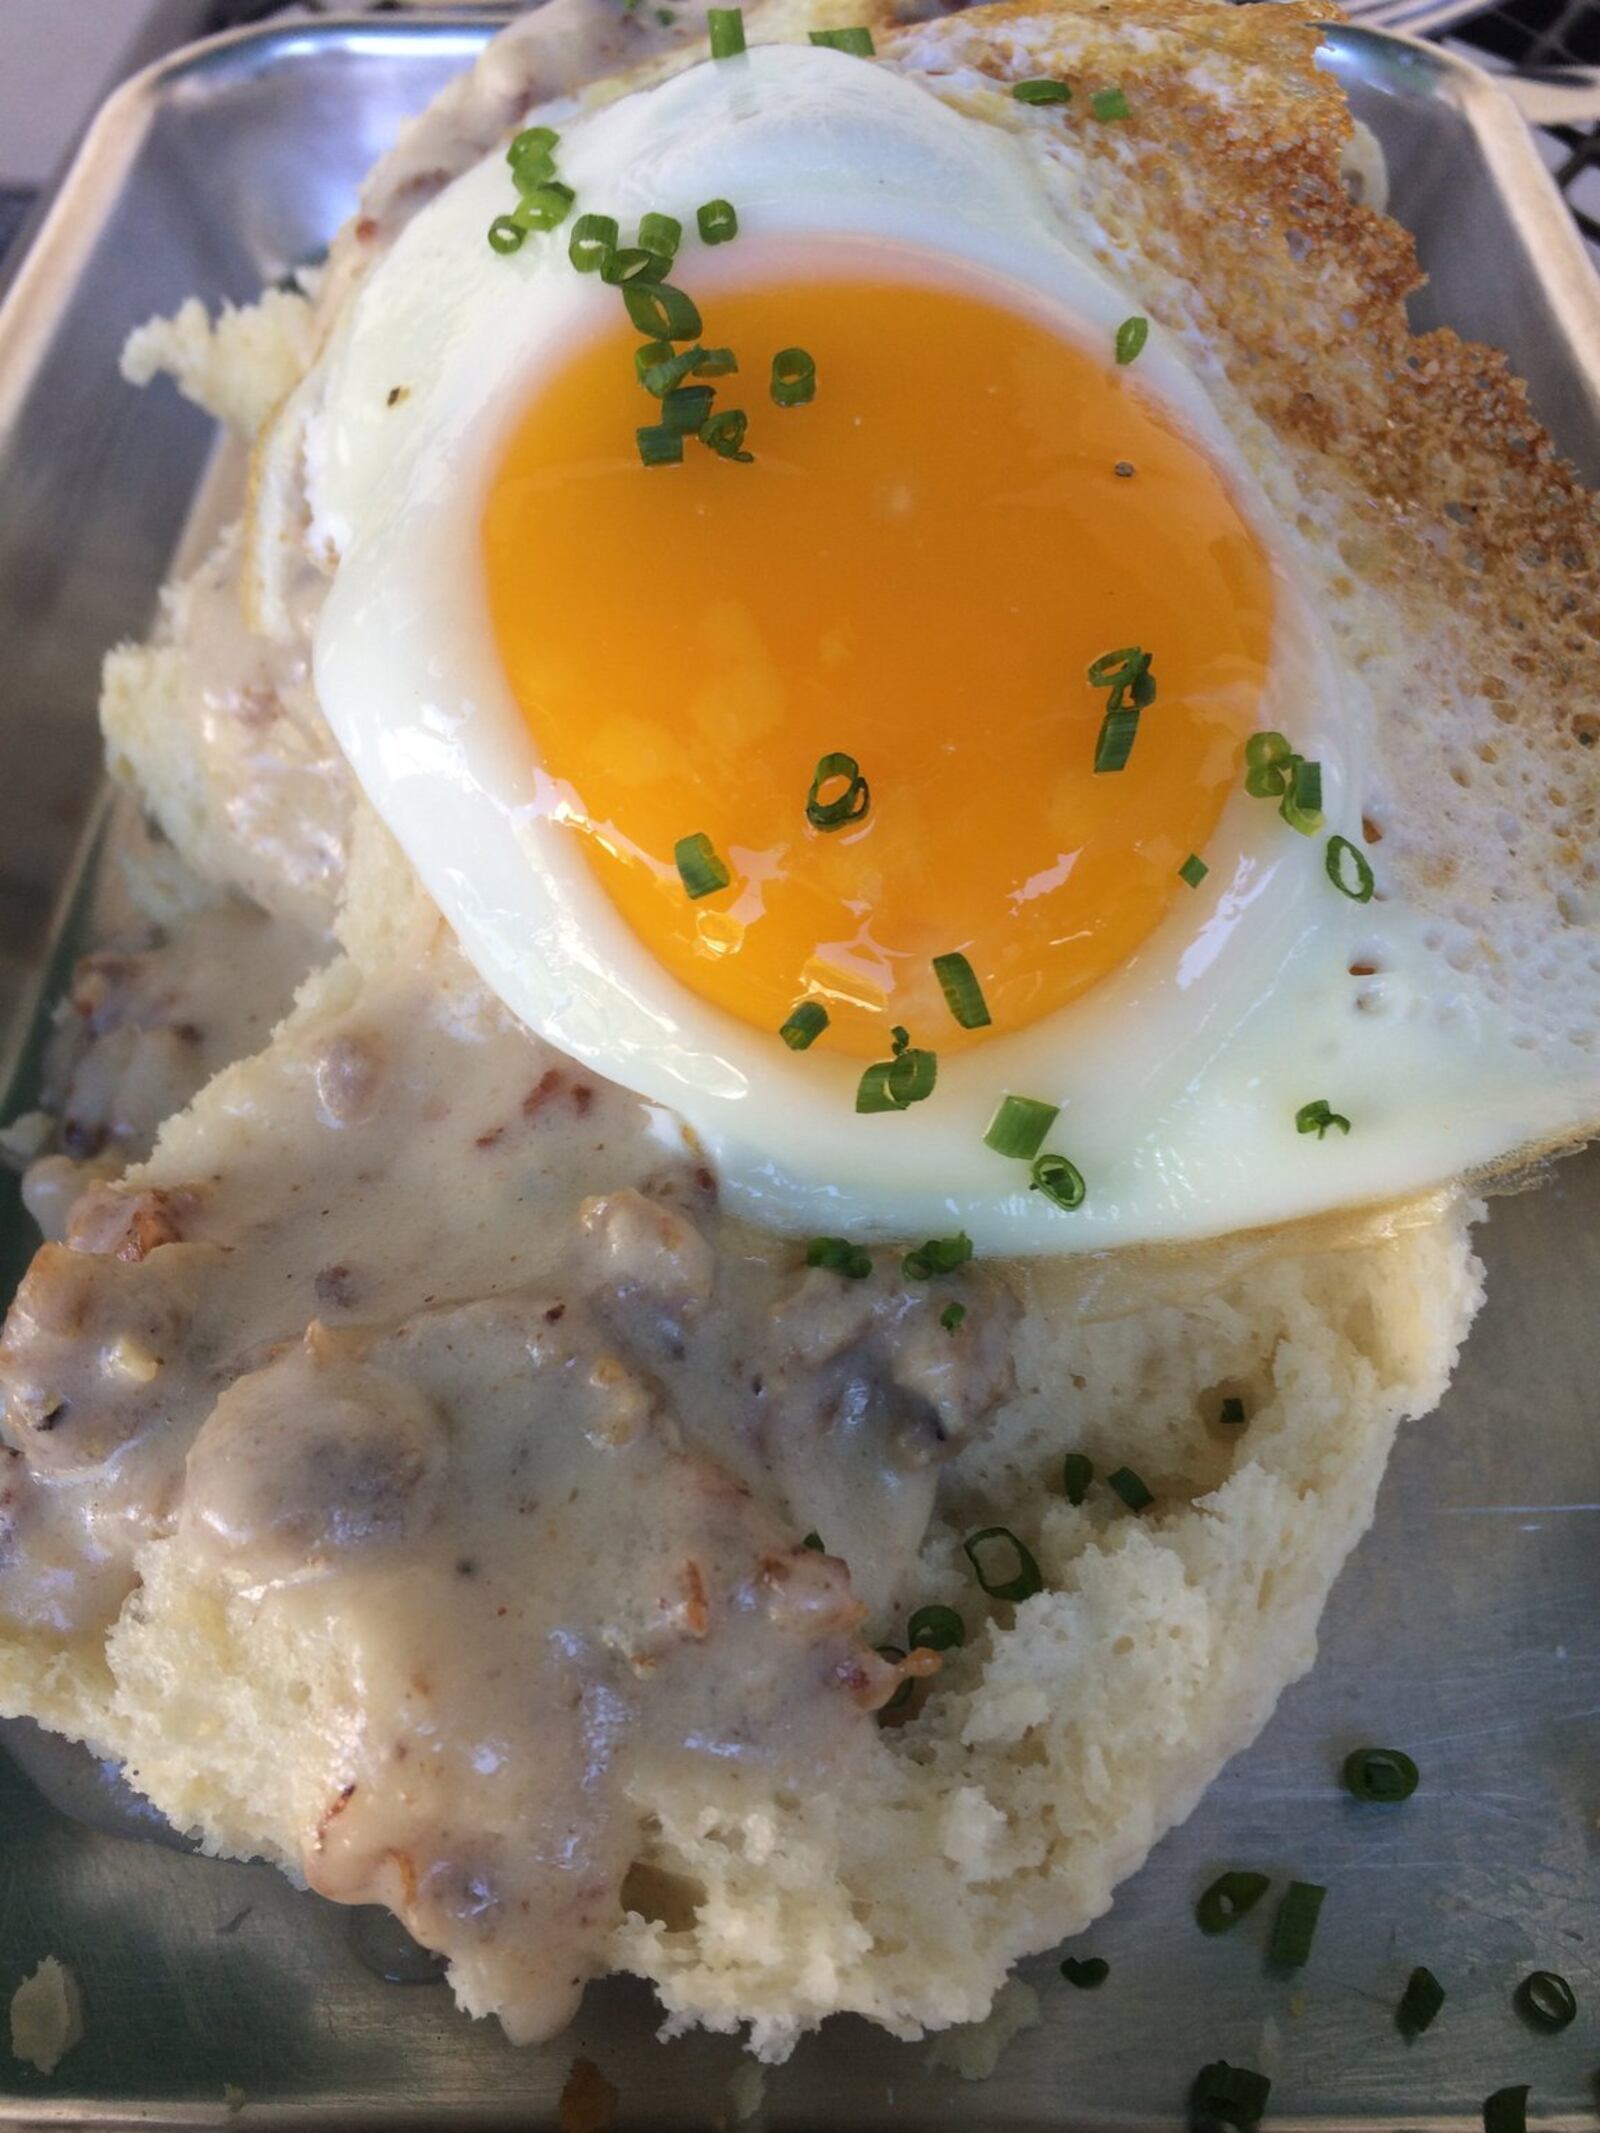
1466, 1629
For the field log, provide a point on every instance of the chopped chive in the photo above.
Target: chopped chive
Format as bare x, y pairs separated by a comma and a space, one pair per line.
725, 26
661, 234
1341, 855
1232, 1411
1380, 1774
940, 1255
936, 1629
844, 808
1077, 1471
1024, 1580
1545, 1999
724, 434
593, 237
1301, 806
840, 1256
1131, 337
951, 1316
896, 1084
1019, 1126
658, 369
699, 868
545, 208
504, 236
661, 311
1194, 870
716, 363
963, 995
531, 141
1042, 90
902, 1695
1295, 1926
813, 1541
716, 221
1506, 2111
659, 446
856, 39
794, 377
627, 264
1061, 1182
1129, 1486
1115, 743
1225, 2095
1315, 1117
686, 409
804, 1026
1087, 1972
1126, 673
1419, 2003
1231, 1896
1263, 749
1109, 104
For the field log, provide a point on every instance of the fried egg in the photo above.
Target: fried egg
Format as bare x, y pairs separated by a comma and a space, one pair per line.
776, 786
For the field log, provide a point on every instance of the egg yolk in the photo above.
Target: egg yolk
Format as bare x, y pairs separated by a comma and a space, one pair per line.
916, 569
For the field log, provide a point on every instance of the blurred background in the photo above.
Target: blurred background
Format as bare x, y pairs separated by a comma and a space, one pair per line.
58, 58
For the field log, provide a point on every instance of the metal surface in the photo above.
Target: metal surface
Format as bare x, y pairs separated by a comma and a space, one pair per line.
1466, 1629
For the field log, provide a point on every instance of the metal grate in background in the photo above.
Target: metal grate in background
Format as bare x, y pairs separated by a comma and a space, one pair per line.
1549, 33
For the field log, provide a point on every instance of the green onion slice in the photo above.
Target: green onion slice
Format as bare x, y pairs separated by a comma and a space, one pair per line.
804, 1026
545, 208
1232, 1411
896, 1084
840, 1256
1301, 806
686, 409
856, 39
1315, 1117
1349, 871
903, 1693
1131, 337
701, 871
1024, 1579
1019, 1126
1225, 2095
1077, 1471
1061, 1182
1380, 1774
1506, 2111
951, 1316
1295, 1927
1115, 743
1265, 749
1194, 870
1126, 673
661, 311
963, 995
1087, 1972
505, 236
1042, 90
717, 221
1131, 1488
1545, 1999
1109, 104
715, 363
940, 1255
794, 377
531, 143
1419, 2003
1231, 1896
724, 434
593, 237
939, 1629
631, 263
725, 26
844, 808
660, 447
813, 1541
661, 234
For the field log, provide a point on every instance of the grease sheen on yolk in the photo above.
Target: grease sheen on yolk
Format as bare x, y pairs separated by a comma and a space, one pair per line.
917, 569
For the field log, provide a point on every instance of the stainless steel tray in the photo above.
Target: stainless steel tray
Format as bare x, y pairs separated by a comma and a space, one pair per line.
1466, 1629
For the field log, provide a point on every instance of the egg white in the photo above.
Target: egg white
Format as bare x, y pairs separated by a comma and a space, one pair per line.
1179, 1078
